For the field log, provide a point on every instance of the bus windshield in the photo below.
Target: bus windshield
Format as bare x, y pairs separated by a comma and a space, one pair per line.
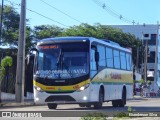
62, 60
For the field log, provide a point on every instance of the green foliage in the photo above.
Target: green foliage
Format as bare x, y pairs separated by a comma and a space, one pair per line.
121, 115
2, 73
6, 61
149, 82
10, 30
46, 31
141, 81
130, 109
105, 32
94, 116
10, 24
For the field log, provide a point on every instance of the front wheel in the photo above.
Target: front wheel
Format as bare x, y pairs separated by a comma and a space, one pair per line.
52, 105
99, 104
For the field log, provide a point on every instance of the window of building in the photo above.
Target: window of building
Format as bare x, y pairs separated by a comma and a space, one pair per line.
146, 35
151, 58
109, 57
153, 36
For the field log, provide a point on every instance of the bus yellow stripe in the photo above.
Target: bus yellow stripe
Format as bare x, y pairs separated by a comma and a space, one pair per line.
60, 88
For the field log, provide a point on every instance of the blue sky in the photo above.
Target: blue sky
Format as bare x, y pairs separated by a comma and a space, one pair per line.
88, 11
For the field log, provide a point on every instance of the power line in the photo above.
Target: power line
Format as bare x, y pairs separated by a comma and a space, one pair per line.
60, 11
47, 17
112, 12
37, 13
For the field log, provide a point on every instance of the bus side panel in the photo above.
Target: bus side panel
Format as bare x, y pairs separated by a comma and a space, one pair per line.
94, 92
113, 81
129, 91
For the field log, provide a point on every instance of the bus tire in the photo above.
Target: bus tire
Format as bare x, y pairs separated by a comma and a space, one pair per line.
99, 104
115, 103
122, 102
52, 105
81, 105
88, 106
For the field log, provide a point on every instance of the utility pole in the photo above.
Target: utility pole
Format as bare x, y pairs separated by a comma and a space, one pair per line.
145, 61
137, 60
142, 62
20, 76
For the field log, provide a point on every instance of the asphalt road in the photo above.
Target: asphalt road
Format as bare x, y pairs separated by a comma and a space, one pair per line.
144, 106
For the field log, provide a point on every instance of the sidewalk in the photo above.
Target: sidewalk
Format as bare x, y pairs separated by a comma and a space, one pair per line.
13, 103
137, 97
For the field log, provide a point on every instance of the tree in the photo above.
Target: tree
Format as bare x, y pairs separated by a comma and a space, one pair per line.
105, 32
46, 31
10, 28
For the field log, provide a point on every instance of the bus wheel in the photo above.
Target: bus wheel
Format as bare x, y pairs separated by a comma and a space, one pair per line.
99, 104
88, 105
122, 102
81, 105
115, 103
52, 105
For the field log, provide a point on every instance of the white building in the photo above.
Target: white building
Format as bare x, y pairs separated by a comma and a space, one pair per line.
151, 34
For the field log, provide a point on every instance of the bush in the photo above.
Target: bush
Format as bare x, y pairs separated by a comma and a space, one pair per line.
95, 116
6, 61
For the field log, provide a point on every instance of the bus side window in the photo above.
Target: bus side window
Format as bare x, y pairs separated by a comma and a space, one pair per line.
93, 62
109, 57
129, 61
102, 59
123, 60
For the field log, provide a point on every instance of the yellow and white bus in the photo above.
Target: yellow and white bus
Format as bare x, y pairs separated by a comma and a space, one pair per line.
82, 70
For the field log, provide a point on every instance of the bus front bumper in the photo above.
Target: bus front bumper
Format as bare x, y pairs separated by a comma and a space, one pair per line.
62, 98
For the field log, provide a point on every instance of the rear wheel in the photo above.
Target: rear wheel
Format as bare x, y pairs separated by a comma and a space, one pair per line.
99, 104
52, 105
88, 105
115, 103
81, 105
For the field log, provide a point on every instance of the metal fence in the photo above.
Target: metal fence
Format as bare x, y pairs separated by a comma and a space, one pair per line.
8, 81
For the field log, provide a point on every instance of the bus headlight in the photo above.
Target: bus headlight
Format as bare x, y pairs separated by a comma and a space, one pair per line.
83, 87
38, 89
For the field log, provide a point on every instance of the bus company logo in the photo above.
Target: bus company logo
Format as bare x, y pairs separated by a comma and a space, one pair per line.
50, 88
59, 88
115, 76
6, 114
76, 87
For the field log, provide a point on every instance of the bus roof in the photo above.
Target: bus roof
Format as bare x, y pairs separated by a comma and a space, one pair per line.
81, 39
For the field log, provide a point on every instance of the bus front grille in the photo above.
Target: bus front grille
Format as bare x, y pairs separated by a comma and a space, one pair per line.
59, 98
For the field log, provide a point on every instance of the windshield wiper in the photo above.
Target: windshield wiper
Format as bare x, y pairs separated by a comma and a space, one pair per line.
59, 61
60, 64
